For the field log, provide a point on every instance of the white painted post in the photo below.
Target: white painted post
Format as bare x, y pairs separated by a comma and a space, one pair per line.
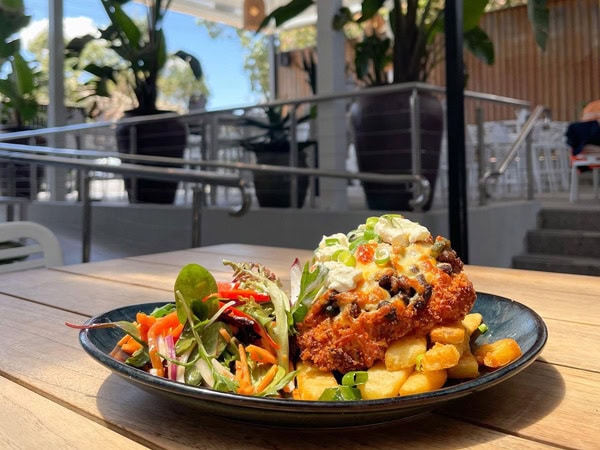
331, 132
56, 91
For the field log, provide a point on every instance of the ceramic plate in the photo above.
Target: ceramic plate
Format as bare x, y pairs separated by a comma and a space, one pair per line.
504, 317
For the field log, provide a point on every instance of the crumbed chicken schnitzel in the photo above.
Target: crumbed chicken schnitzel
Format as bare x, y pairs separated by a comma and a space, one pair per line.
387, 279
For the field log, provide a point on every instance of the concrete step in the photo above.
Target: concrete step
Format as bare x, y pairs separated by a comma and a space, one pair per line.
570, 218
555, 263
564, 242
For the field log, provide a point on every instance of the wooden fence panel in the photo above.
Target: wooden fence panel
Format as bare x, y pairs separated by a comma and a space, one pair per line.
564, 77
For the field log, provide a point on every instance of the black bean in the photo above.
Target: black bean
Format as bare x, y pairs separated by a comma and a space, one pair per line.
332, 309
354, 310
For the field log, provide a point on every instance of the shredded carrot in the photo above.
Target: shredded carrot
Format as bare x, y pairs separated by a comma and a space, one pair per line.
157, 363
145, 322
131, 346
245, 386
160, 327
176, 332
124, 340
269, 376
223, 332
163, 326
261, 355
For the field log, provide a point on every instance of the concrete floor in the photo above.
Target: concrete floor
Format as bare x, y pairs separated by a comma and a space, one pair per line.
68, 229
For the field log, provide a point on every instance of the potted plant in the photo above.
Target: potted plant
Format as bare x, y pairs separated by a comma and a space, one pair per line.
406, 39
272, 147
18, 84
142, 51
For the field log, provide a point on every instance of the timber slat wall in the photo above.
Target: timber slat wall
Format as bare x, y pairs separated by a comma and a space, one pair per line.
564, 77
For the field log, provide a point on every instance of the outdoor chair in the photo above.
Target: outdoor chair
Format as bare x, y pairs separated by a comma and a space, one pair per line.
584, 140
27, 245
590, 161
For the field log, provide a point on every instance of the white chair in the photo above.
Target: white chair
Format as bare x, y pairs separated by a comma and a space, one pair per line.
590, 160
27, 245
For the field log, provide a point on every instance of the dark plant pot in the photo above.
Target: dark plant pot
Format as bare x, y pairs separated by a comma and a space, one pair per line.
273, 190
382, 131
22, 170
165, 138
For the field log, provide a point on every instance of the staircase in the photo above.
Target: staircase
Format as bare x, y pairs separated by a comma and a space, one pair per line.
567, 240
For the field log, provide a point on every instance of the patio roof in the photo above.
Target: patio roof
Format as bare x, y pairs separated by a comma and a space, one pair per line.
230, 12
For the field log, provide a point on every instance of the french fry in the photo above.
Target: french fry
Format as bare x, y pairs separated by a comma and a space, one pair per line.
440, 356
403, 353
498, 354
466, 368
312, 382
448, 334
419, 382
471, 322
383, 383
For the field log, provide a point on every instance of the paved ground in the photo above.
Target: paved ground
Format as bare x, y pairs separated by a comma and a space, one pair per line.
70, 237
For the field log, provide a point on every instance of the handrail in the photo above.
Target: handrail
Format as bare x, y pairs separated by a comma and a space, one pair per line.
523, 136
319, 98
413, 87
422, 192
72, 159
157, 173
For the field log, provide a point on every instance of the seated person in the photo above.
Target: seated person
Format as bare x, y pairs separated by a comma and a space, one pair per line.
584, 136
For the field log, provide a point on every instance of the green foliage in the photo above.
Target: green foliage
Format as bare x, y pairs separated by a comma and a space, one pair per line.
141, 50
413, 49
21, 78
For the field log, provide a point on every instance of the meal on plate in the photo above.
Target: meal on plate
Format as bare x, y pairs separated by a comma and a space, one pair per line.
382, 311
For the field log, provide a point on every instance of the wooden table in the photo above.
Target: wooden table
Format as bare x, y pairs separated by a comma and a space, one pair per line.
53, 395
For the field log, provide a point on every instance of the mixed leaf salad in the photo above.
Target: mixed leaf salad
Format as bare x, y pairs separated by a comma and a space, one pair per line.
231, 337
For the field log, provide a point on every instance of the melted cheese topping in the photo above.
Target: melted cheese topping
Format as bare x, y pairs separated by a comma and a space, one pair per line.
408, 244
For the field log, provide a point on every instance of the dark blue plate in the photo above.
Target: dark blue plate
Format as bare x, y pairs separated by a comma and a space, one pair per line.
504, 317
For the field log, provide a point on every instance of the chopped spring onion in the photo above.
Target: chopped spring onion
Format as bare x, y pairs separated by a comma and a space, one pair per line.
354, 378
354, 235
346, 257
482, 328
340, 393
419, 362
382, 256
331, 241
354, 244
371, 222
369, 235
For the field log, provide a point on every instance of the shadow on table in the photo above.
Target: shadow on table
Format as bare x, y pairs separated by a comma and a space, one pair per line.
515, 403
155, 420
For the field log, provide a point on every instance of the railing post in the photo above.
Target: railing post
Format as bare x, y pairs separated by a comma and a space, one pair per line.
133, 150
86, 238
415, 135
529, 159
197, 201
480, 155
293, 158
11, 189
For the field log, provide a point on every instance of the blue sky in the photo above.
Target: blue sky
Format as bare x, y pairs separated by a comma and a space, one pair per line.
221, 59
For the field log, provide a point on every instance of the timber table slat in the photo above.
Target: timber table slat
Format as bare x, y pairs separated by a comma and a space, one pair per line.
46, 377
40, 420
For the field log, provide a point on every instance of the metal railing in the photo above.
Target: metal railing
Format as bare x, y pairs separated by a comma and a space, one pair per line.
72, 159
27, 154
524, 137
82, 160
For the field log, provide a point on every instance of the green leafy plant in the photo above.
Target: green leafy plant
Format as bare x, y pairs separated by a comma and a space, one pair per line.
275, 129
141, 49
409, 40
21, 78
